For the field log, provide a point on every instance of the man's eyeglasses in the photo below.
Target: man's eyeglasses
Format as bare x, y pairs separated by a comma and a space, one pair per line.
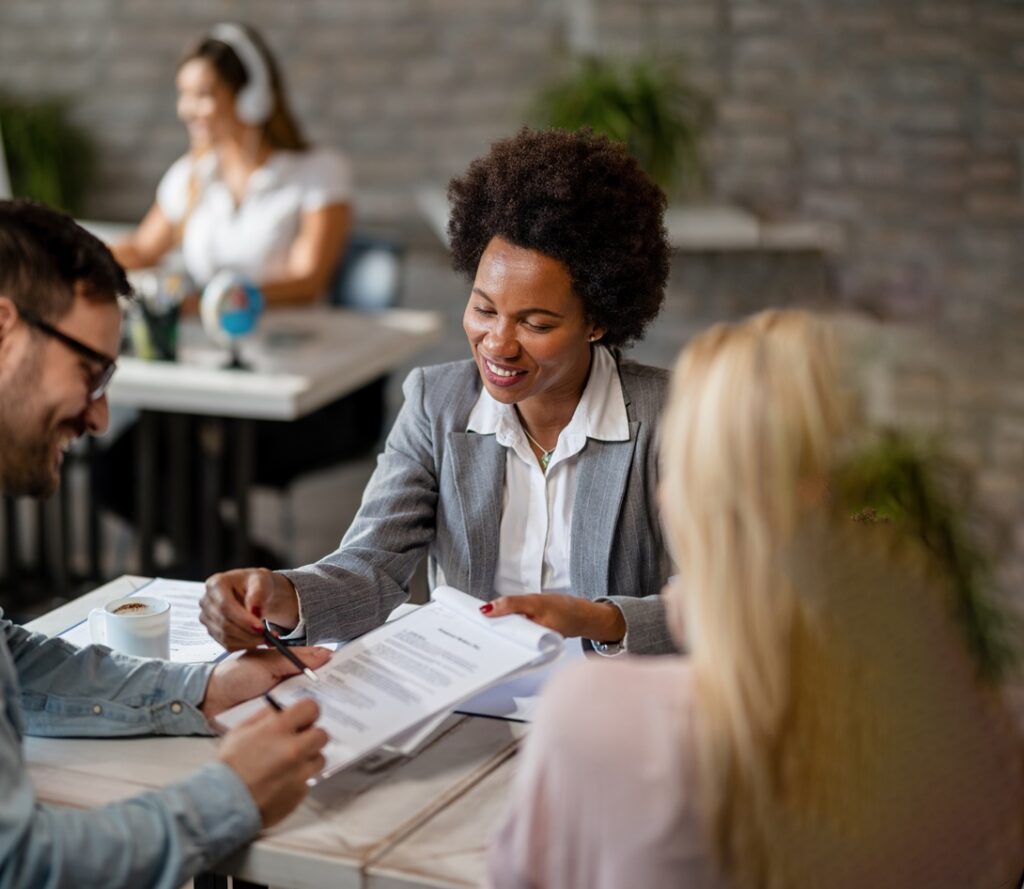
106, 365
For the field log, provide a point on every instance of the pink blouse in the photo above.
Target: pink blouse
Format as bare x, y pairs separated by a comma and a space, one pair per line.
608, 790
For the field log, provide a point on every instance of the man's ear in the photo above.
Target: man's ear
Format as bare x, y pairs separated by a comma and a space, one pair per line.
9, 322
8, 317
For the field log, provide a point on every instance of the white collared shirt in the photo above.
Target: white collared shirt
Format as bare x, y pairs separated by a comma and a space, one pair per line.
537, 508
255, 237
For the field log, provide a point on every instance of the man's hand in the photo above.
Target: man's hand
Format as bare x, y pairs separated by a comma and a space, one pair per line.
275, 754
240, 678
569, 615
236, 602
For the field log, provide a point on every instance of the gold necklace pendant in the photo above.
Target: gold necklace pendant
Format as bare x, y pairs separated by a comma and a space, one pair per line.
545, 455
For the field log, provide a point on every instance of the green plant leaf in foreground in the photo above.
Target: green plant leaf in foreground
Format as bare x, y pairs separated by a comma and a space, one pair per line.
904, 482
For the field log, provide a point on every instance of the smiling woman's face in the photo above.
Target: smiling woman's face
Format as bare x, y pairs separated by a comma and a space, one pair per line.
526, 327
206, 104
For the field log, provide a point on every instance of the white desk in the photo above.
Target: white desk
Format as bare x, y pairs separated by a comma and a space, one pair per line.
351, 833
321, 354
298, 361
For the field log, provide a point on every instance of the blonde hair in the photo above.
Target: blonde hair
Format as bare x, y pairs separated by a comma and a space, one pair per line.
755, 417
833, 690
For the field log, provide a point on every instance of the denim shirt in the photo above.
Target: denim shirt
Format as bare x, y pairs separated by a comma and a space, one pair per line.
157, 839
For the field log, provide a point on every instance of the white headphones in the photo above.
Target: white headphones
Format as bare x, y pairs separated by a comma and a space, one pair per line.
255, 101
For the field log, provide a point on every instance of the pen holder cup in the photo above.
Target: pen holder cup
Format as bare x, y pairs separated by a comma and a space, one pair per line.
154, 332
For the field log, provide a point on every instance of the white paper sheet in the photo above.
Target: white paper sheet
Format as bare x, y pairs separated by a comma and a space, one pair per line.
190, 643
516, 698
395, 679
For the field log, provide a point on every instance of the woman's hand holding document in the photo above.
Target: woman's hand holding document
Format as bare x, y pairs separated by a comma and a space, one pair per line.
398, 676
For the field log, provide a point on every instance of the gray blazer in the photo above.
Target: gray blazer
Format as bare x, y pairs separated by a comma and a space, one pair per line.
437, 490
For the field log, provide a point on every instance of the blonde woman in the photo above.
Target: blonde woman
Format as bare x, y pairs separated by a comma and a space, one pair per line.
829, 726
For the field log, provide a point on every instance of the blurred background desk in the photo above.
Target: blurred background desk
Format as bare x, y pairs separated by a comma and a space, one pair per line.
298, 361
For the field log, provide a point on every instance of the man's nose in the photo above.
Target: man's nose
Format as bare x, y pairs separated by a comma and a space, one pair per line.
97, 416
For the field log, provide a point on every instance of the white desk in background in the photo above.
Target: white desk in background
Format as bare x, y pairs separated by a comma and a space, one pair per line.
298, 361
353, 830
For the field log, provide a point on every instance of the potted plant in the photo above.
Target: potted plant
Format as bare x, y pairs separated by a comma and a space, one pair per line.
908, 484
49, 158
644, 104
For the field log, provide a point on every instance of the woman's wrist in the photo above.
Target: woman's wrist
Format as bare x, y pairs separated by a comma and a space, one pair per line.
609, 624
283, 608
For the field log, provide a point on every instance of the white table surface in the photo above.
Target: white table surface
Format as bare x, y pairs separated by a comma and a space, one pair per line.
350, 833
301, 359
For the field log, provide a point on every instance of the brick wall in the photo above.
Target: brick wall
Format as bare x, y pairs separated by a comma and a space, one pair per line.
412, 90
904, 123
901, 121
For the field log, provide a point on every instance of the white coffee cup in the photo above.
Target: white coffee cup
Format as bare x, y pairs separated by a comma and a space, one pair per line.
138, 625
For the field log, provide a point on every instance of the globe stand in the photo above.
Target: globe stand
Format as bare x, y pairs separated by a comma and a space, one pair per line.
236, 362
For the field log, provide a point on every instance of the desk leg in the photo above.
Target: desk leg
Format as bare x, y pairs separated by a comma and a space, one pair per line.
39, 507
244, 457
210, 881
62, 563
13, 542
180, 495
95, 543
146, 489
211, 444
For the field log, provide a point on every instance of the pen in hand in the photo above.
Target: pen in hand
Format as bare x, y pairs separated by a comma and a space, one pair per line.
272, 640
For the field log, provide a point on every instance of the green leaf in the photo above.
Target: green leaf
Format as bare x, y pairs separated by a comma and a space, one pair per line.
49, 158
644, 105
908, 483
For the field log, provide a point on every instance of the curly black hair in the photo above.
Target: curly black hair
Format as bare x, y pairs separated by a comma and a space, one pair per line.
581, 199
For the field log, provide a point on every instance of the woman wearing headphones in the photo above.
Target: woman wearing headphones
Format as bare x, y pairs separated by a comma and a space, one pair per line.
253, 197
250, 195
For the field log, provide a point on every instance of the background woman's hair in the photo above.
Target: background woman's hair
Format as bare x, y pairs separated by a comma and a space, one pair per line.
281, 129
581, 199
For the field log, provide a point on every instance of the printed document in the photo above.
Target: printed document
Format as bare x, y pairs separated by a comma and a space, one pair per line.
380, 686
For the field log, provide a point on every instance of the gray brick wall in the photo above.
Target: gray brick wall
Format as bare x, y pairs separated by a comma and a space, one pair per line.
901, 121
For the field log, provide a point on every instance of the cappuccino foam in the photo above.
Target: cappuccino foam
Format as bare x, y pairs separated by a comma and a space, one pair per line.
138, 608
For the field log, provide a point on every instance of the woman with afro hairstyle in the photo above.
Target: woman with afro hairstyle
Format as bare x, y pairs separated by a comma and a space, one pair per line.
526, 474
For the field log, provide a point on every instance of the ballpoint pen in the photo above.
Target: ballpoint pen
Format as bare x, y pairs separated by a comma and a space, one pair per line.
271, 639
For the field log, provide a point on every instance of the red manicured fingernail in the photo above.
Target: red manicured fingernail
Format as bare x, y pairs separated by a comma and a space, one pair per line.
257, 611
257, 629
486, 608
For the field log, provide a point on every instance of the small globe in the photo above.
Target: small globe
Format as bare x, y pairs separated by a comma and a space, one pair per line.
230, 307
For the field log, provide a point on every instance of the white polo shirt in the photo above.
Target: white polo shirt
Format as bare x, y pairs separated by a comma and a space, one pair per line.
254, 237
